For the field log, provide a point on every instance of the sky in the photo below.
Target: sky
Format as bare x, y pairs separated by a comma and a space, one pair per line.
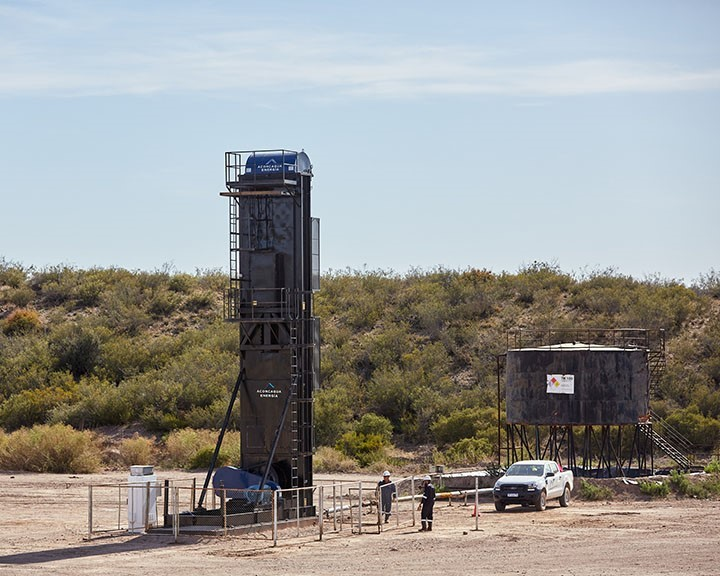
456, 135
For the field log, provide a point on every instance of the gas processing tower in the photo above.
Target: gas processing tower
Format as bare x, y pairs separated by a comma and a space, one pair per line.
274, 271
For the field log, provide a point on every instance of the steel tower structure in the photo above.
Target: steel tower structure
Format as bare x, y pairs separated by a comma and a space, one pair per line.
274, 271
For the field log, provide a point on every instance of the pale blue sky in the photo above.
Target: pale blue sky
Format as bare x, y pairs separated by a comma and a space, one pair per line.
457, 134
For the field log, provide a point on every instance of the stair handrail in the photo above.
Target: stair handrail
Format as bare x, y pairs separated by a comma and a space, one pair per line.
665, 445
672, 433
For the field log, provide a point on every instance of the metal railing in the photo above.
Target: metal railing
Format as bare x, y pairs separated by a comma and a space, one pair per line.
310, 512
615, 337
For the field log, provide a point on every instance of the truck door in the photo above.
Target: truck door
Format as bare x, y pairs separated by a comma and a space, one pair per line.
552, 482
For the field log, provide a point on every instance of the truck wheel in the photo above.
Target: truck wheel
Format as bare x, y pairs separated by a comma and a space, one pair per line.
565, 498
499, 506
540, 504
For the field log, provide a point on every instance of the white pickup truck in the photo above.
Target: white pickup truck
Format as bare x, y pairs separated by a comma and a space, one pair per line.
533, 483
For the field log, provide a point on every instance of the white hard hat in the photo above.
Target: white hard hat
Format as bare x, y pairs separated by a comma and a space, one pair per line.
386, 473
427, 479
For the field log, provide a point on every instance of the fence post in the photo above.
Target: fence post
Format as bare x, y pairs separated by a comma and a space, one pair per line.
476, 504
166, 502
320, 510
397, 507
297, 510
146, 511
334, 501
223, 503
176, 512
412, 491
378, 495
342, 506
275, 516
360, 507
90, 515
352, 516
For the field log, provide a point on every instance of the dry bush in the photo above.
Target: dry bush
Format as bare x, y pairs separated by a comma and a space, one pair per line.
57, 449
185, 448
329, 459
21, 321
136, 450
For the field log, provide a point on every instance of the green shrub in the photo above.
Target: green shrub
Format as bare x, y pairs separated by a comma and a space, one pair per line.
163, 304
391, 393
21, 297
76, 348
180, 283
358, 298
55, 284
123, 357
95, 403
476, 423
199, 301
713, 467
703, 432
334, 406
203, 457
212, 416
364, 448
466, 452
189, 390
213, 279
712, 485
377, 425
56, 449
29, 407
679, 482
21, 321
122, 308
661, 304
709, 284
456, 426
26, 364
367, 441
592, 491
655, 489
11, 274
88, 292
536, 278
699, 488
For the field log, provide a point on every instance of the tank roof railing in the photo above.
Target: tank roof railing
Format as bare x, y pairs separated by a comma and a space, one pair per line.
611, 337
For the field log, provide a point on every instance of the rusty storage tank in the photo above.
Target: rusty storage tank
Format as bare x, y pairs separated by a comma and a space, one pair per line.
577, 384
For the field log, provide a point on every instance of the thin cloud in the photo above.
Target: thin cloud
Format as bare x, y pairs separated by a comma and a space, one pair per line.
112, 62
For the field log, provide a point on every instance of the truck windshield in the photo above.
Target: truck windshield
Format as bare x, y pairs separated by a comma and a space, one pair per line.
525, 470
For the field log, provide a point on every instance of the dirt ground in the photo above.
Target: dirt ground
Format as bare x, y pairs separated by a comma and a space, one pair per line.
43, 530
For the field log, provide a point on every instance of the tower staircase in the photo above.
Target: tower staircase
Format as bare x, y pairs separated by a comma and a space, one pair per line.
668, 440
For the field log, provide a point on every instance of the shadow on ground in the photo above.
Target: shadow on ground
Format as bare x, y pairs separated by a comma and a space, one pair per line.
86, 550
